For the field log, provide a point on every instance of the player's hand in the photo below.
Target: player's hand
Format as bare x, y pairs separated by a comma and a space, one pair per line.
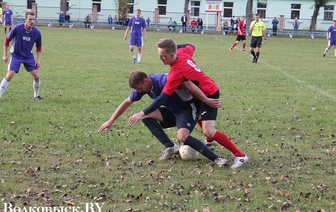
135, 118
145, 39
215, 103
37, 64
5, 58
125, 37
265, 41
106, 126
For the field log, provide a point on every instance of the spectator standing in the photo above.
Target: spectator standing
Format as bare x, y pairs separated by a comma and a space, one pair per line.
225, 27
258, 30
296, 25
7, 16
138, 26
184, 21
200, 24
232, 24
275, 23
331, 37
193, 25
61, 18
22, 53
148, 21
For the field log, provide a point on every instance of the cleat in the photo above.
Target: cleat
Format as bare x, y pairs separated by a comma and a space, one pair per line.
221, 162
323, 55
169, 152
230, 49
254, 60
38, 98
239, 161
133, 60
211, 143
139, 63
244, 50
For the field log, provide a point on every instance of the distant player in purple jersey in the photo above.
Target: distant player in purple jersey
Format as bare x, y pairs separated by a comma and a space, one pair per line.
136, 26
23, 37
7, 15
331, 37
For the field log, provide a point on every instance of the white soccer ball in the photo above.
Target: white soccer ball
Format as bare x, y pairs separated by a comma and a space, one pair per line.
188, 153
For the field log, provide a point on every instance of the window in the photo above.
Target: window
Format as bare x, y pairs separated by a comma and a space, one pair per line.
29, 3
328, 12
261, 9
295, 11
228, 9
162, 6
97, 3
130, 7
195, 8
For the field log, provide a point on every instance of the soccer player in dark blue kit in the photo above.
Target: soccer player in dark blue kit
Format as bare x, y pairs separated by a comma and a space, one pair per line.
23, 37
180, 110
136, 25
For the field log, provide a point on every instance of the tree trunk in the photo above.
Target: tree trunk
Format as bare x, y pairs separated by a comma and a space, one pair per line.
314, 18
186, 4
249, 13
63, 6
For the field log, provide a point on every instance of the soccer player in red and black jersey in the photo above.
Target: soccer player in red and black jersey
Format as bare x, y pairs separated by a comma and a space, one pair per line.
184, 68
240, 34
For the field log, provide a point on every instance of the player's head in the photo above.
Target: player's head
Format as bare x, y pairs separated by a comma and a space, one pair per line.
167, 51
137, 13
140, 81
256, 17
7, 7
242, 18
29, 19
334, 23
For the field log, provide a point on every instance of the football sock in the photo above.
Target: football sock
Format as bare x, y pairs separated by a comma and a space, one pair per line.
244, 45
139, 57
253, 53
223, 140
5, 29
233, 45
158, 132
133, 54
36, 86
257, 54
335, 52
326, 50
3, 86
200, 147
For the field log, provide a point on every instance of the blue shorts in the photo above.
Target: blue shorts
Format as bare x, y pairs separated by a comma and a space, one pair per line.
14, 64
8, 23
332, 43
185, 117
136, 41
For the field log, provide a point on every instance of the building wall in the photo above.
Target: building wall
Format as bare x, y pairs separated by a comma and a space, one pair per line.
49, 9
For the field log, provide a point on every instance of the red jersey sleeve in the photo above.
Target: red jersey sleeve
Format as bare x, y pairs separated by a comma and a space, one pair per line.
174, 79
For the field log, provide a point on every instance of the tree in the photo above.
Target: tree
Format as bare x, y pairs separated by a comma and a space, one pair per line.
63, 6
122, 6
249, 12
186, 4
318, 4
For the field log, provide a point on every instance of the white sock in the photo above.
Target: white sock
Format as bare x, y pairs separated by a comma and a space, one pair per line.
325, 51
139, 57
133, 54
36, 86
3, 86
335, 52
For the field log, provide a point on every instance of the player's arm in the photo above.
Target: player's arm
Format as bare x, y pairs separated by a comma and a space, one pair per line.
6, 45
252, 25
264, 33
126, 32
145, 34
152, 107
196, 92
118, 112
185, 45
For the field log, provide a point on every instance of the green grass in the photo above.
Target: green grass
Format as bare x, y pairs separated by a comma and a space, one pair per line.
281, 112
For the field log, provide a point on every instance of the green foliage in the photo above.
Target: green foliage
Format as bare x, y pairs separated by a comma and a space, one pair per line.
280, 112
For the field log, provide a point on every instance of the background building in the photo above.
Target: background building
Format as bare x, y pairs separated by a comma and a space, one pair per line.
162, 10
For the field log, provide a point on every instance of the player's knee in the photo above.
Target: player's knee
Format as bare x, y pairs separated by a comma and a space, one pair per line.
182, 137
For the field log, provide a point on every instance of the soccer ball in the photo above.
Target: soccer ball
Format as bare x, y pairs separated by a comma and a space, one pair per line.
188, 153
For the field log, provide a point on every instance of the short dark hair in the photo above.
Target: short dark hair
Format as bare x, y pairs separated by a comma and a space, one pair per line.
136, 77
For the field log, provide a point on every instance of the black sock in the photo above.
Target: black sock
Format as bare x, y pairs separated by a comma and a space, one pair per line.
257, 55
157, 131
253, 53
200, 147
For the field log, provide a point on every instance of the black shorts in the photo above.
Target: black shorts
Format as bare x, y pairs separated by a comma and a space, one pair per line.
207, 112
256, 41
240, 37
185, 117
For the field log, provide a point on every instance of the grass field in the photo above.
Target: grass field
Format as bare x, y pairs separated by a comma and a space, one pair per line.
281, 112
